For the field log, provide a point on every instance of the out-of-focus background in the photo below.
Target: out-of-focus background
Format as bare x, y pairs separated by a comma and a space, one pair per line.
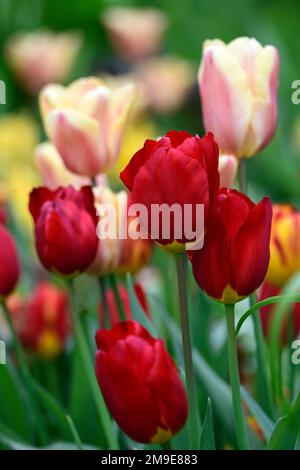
188, 23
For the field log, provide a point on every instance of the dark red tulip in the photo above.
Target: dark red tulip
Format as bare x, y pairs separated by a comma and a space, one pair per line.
65, 228
235, 257
267, 314
140, 383
176, 169
42, 320
9, 263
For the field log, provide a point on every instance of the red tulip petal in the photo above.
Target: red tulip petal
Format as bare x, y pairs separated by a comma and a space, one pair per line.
37, 198
250, 250
211, 263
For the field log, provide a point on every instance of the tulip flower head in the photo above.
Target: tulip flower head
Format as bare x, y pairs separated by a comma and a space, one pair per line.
284, 245
42, 320
65, 228
140, 384
109, 250
135, 32
86, 121
42, 57
228, 167
177, 170
9, 263
267, 315
235, 257
238, 87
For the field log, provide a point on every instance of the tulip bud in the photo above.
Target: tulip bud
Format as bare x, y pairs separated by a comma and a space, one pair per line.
228, 167
42, 320
9, 263
284, 245
153, 404
168, 173
135, 32
65, 228
267, 315
235, 257
238, 86
86, 121
42, 57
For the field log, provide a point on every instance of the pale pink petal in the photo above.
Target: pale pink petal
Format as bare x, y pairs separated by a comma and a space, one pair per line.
226, 98
76, 138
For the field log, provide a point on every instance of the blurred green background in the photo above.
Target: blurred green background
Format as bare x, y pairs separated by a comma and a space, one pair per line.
276, 171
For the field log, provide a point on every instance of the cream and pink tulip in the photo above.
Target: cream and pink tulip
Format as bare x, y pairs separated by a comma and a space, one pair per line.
238, 87
86, 122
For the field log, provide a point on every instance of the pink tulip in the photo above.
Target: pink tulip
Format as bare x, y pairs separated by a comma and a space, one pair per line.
42, 57
238, 86
86, 121
135, 32
165, 82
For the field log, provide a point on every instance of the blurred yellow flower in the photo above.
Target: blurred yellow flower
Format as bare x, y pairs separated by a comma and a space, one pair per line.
18, 137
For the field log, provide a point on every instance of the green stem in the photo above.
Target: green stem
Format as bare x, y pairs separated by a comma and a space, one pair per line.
166, 445
264, 392
74, 432
114, 286
90, 373
243, 176
235, 380
291, 367
194, 419
102, 288
25, 374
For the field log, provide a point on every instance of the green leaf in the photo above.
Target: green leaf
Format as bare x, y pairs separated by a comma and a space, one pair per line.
286, 432
217, 389
12, 405
291, 288
207, 438
265, 423
53, 408
14, 444
80, 405
270, 300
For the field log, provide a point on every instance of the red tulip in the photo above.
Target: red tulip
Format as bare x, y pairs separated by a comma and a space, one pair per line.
140, 383
176, 169
9, 263
267, 313
42, 320
235, 256
114, 316
65, 228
